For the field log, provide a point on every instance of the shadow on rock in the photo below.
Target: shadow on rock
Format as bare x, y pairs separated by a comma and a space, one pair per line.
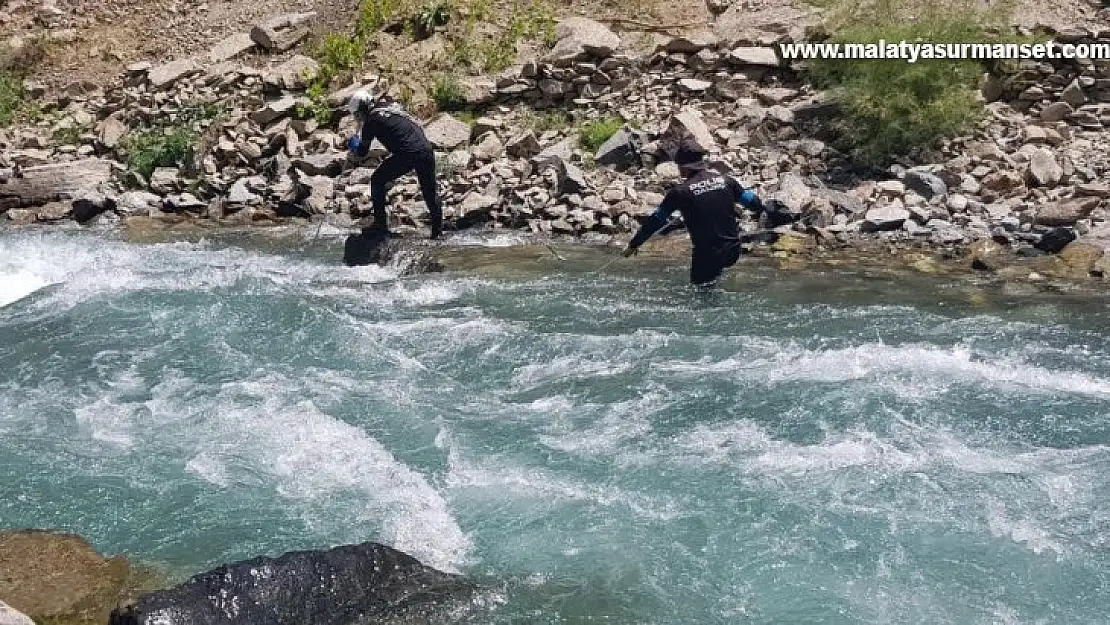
347, 585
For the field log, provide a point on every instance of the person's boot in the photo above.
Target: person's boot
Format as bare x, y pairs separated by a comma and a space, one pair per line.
437, 228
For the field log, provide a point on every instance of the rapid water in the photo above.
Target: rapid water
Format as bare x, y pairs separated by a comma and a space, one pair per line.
590, 447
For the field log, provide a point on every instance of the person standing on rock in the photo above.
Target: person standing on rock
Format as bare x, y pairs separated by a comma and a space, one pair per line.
706, 201
409, 149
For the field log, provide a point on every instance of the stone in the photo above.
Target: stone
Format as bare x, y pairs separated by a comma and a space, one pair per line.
56, 182
1055, 240
1066, 212
621, 150
274, 111
11, 616
1001, 181
891, 188
579, 38
112, 130
523, 145
59, 577
885, 217
315, 193
230, 48
1043, 170
992, 88
282, 33
184, 202
793, 193
985, 255
476, 204
689, 44
925, 184
90, 204
447, 133
164, 180
1056, 111
753, 55
137, 203
294, 74
1073, 94
689, 123
1081, 257
372, 581
694, 85
327, 164
488, 147
477, 90
570, 177
169, 73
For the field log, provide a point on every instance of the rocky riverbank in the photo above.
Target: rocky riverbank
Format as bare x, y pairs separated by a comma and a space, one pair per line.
1030, 181
60, 579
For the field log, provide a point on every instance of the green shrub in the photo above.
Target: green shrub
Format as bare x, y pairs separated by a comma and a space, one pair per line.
159, 147
447, 93
373, 15
11, 98
891, 107
596, 132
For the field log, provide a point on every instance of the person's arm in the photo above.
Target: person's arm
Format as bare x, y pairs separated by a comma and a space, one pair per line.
359, 144
746, 197
653, 223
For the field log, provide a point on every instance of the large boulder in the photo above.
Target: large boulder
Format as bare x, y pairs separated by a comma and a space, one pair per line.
447, 133
283, 32
1043, 169
579, 38
59, 578
274, 111
367, 583
621, 150
1066, 212
689, 123
43, 184
230, 48
885, 217
165, 75
293, 74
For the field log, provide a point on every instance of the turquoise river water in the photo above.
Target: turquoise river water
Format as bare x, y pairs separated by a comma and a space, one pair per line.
590, 447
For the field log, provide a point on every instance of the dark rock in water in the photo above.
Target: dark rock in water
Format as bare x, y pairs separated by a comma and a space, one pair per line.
378, 247
1055, 240
353, 584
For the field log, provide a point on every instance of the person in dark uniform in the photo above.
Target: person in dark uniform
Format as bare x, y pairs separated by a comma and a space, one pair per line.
706, 200
409, 149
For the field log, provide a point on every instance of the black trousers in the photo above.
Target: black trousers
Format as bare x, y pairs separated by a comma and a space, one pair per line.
397, 165
708, 265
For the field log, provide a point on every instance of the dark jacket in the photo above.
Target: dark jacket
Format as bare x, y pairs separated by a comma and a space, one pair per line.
398, 131
706, 201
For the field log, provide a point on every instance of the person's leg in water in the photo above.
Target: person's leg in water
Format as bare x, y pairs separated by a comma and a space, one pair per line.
429, 190
706, 267
390, 170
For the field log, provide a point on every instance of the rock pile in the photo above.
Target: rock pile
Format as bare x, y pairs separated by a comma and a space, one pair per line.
1038, 164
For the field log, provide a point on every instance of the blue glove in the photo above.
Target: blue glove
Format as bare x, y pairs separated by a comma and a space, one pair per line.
354, 143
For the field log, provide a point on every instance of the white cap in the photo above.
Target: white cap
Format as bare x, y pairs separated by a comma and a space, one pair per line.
360, 99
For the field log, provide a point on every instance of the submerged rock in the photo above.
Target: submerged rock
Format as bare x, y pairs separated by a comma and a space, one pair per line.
58, 578
367, 583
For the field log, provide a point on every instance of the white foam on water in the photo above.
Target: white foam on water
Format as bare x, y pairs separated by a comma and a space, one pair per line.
502, 479
620, 423
18, 284
89, 266
268, 431
893, 365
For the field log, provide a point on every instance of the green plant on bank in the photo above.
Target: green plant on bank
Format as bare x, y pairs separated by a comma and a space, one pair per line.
543, 121
890, 107
159, 147
431, 16
447, 93
67, 135
533, 21
12, 97
597, 131
15, 66
373, 15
